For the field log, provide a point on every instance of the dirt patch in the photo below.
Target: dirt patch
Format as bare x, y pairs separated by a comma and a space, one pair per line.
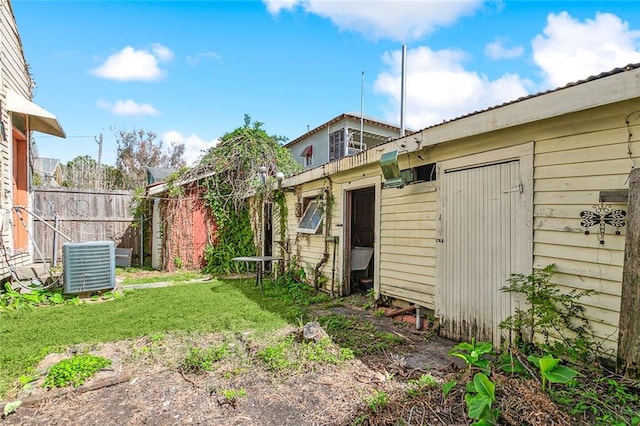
158, 393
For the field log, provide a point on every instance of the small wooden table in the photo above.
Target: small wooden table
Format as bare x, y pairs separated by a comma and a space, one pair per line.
259, 261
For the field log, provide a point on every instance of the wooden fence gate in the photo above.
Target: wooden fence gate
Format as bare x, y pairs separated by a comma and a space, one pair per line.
83, 215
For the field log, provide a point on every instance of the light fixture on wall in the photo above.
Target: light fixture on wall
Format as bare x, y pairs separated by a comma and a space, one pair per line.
279, 178
263, 175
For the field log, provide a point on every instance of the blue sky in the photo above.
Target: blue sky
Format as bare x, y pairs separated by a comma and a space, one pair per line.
189, 71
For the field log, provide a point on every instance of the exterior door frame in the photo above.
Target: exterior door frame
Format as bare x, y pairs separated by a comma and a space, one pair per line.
347, 189
20, 189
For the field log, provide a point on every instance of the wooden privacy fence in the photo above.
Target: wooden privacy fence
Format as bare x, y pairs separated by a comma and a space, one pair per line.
83, 215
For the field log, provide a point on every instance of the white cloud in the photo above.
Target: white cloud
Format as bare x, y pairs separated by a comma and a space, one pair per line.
129, 107
195, 60
498, 49
402, 20
194, 146
130, 64
275, 6
570, 50
439, 88
163, 53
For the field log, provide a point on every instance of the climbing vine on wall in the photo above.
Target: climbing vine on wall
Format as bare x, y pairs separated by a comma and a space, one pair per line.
233, 174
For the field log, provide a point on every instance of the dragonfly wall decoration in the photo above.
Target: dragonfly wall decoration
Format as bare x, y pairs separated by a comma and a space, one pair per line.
602, 215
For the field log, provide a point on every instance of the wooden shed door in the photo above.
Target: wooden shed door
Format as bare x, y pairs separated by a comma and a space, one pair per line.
479, 249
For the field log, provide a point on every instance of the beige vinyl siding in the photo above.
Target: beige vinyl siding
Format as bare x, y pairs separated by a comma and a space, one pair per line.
307, 249
407, 243
570, 171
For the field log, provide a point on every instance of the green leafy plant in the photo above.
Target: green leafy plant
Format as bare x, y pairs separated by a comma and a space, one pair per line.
479, 398
474, 354
275, 356
510, 364
324, 351
417, 387
603, 400
377, 401
551, 371
11, 299
231, 396
550, 312
75, 370
448, 387
11, 407
200, 360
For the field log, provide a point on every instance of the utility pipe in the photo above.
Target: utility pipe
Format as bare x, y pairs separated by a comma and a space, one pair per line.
403, 90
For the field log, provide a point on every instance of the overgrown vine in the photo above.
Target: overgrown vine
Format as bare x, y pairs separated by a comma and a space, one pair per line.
232, 170
328, 201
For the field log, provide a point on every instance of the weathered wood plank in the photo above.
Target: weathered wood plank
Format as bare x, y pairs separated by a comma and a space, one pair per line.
629, 335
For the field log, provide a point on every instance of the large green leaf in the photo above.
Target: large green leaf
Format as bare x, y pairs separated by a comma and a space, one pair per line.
484, 386
477, 404
561, 374
548, 363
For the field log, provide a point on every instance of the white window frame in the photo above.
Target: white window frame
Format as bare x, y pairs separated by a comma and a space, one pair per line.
306, 224
308, 160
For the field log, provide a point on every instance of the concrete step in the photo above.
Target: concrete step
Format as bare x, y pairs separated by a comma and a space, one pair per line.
37, 271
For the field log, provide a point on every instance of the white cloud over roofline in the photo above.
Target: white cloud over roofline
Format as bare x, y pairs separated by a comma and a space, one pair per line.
569, 50
439, 88
194, 146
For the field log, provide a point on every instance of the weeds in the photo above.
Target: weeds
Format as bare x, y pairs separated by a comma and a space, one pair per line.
377, 401
289, 356
11, 299
358, 335
418, 386
474, 354
200, 360
75, 370
550, 313
232, 396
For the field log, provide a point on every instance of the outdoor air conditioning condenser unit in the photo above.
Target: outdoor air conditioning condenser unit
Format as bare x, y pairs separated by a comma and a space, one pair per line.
89, 266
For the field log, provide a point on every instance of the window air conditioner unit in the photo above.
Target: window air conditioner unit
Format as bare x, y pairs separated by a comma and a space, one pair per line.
89, 266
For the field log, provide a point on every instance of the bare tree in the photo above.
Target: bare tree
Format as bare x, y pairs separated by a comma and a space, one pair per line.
139, 149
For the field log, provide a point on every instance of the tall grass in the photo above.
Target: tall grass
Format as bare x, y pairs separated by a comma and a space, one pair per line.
28, 335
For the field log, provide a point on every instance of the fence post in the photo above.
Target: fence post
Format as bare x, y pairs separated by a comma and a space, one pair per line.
629, 324
54, 256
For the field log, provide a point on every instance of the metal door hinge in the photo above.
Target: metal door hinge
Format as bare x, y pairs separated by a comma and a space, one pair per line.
518, 188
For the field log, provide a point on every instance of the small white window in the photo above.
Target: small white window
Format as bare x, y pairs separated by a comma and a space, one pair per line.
311, 219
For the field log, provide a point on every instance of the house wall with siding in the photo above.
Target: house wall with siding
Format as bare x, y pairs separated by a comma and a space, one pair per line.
14, 74
576, 156
320, 139
596, 153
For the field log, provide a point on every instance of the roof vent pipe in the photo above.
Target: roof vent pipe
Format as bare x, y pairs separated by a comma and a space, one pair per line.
403, 89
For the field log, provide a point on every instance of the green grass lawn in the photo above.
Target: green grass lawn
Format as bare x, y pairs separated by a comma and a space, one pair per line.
27, 335
133, 275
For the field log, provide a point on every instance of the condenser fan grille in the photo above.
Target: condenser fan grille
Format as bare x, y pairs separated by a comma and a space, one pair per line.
89, 266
